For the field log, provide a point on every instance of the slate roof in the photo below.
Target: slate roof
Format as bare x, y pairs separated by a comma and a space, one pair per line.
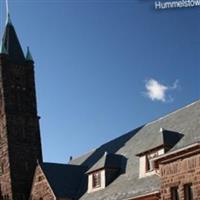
63, 179
108, 160
180, 128
185, 122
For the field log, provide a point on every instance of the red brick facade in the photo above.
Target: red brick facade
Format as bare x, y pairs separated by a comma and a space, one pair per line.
178, 173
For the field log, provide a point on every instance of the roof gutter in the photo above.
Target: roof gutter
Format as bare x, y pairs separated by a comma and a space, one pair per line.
150, 150
145, 195
197, 144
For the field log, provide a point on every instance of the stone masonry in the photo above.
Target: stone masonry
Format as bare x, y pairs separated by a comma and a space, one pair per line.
177, 174
41, 189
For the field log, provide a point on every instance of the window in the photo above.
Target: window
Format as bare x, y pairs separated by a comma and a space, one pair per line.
147, 163
6, 197
174, 193
149, 166
96, 179
188, 195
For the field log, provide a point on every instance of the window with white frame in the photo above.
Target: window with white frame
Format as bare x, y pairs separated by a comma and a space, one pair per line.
148, 163
96, 179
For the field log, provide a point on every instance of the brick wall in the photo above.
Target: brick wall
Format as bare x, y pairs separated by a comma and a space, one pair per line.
178, 173
40, 187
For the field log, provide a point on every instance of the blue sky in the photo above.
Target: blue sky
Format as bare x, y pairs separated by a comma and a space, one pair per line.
105, 67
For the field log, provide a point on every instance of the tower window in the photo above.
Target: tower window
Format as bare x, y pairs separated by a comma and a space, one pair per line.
96, 179
174, 193
188, 194
6, 197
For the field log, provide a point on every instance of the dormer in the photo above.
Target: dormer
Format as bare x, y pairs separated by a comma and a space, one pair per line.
104, 171
166, 140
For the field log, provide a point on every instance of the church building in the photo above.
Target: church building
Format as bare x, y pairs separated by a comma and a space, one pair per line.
20, 145
157, 161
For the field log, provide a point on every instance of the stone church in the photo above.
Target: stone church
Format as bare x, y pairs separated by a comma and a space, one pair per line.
157, 161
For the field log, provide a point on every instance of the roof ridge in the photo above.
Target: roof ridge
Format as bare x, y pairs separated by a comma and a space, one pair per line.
79, 156
173, 112
53, 163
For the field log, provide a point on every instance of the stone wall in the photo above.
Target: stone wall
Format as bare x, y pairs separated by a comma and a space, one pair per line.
40, 187
20, 144
178, 173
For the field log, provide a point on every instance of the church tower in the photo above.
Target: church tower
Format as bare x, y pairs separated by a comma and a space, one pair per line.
20, 144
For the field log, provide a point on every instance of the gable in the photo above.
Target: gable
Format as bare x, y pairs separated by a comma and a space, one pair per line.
41, 187
65, 180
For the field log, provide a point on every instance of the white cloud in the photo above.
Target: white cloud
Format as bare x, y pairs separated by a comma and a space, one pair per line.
158, 92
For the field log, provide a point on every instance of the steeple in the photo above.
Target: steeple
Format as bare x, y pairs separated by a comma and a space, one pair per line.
11, 43
8, 19
20, 144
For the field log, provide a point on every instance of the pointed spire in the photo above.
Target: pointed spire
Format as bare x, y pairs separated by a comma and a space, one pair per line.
11, 43
8, 21
28, 55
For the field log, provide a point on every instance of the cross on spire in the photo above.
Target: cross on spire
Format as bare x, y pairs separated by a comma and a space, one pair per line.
7, 8
8, 18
